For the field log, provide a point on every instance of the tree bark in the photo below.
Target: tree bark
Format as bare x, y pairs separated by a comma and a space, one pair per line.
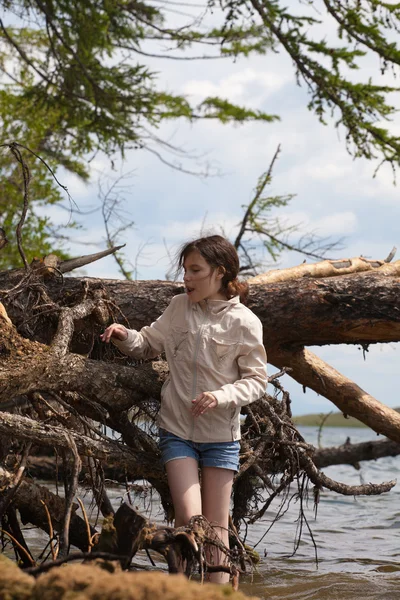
353, 454
102, 449
112, 386
311, 371
356, 308
54, 328
30, 499
353, 308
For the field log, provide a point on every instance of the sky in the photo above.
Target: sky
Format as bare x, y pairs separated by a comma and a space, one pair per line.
335, 195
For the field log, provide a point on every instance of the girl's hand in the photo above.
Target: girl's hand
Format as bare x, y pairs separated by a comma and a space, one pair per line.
115, 330
203, 403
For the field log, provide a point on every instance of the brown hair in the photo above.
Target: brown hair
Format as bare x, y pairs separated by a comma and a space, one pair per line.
219, 252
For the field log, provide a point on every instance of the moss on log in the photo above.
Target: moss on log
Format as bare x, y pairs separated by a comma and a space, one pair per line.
92, 582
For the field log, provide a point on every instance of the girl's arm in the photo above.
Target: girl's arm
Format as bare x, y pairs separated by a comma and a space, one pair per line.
149, 341
252, 363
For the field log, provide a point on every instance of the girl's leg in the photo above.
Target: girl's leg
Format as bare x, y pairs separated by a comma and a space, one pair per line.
216, 496
183, 481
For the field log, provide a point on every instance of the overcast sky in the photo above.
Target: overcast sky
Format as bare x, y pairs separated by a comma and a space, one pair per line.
335, 195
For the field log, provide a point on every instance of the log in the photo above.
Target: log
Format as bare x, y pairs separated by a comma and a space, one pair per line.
354, 308
329, 268
358, 308
45, 467
30, 499
353, 454
44, 435
311, 371
113, 386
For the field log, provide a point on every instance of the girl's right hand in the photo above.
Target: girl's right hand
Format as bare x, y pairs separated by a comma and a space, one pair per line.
116, 331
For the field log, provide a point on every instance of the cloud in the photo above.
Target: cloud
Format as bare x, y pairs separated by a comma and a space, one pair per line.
248, 84
343, 223
339, 224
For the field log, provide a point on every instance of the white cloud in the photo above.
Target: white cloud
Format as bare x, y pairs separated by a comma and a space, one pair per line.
342, 223
212, 223
336, 224
248, 84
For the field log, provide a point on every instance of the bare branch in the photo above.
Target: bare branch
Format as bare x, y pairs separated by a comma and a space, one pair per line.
70, 495
266, 179
67, 266
26, 176
66, 321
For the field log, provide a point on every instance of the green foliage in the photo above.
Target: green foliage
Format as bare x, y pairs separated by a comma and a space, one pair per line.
40, 236
74, 81
72, 86
83, 78
361, 108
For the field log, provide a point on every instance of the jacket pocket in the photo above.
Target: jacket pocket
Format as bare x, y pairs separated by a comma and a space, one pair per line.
178, 340
223, 349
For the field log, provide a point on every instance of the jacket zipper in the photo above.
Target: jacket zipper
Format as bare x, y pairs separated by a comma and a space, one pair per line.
196, 352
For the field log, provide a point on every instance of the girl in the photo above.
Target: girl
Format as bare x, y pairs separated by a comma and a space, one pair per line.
217, 363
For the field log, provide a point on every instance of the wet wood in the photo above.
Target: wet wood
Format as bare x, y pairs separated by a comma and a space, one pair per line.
30, 500
353, 454
129, 525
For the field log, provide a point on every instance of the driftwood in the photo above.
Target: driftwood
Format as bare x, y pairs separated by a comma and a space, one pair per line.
46, 467
129, 531
40, 507
63, 386
359, 308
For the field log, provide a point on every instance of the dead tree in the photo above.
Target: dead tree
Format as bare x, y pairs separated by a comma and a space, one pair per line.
59, 386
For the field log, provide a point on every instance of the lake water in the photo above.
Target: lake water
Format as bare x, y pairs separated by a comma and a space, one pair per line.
358, 539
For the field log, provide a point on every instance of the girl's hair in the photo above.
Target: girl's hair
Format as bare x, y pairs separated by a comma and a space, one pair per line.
218, 252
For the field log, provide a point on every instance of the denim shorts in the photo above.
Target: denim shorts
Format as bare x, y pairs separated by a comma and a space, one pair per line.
224, 455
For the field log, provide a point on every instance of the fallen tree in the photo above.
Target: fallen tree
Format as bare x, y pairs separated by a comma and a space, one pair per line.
60, 389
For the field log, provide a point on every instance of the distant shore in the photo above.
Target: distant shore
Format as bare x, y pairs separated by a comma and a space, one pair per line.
335, 419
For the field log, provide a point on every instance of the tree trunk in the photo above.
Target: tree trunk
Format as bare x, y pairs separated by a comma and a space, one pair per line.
360, 308
357, 308
53, 364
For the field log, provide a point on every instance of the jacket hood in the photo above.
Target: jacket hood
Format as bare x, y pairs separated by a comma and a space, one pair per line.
216, 307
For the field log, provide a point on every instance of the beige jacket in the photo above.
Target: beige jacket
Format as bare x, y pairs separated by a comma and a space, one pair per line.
217, 349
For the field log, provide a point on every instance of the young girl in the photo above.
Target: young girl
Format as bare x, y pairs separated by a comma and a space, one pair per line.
217, 364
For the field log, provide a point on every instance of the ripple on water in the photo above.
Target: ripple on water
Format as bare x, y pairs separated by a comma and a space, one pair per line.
302, 585
355, 562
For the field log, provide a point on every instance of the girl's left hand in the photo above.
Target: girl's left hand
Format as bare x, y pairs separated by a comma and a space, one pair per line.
202, 403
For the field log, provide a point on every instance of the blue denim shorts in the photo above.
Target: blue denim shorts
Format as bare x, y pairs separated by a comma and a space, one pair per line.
224, 455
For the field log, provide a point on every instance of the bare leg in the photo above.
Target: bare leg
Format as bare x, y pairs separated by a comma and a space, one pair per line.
183, 481
216, 496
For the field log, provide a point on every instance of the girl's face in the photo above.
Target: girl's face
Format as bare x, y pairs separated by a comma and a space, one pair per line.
201, 281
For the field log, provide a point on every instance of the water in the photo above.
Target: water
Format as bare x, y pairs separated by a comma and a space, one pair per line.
357, 538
